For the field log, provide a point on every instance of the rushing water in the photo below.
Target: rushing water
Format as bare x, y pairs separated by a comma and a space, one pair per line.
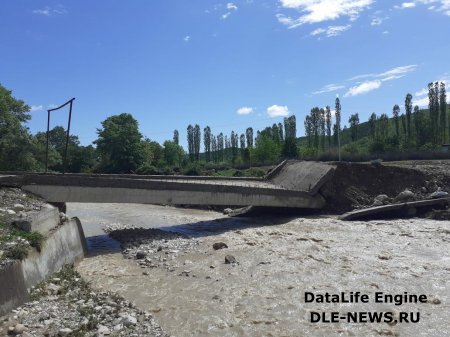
279, 259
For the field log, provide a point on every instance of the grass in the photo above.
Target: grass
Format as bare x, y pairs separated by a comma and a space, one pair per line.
9, 233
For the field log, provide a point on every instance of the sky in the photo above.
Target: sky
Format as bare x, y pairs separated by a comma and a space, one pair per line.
229, 65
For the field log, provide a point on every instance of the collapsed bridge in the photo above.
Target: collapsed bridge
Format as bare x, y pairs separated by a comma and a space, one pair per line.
293, 184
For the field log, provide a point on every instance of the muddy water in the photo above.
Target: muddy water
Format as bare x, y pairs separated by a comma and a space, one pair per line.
279, 259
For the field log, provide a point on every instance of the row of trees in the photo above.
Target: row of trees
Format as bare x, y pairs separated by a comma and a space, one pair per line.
269, 145
415, 129
121, 147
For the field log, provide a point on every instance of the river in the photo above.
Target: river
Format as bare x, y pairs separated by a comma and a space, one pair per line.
279, 259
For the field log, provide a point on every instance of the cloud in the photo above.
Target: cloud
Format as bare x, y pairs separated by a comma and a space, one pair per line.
330, 31
433, 5
315, 11
374, 81
392, 74
231, 7
187, 38
329, 88
245, 110
49, 11
363, 88
34, 108
278, 111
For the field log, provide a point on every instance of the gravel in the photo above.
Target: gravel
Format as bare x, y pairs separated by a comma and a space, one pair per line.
66, 305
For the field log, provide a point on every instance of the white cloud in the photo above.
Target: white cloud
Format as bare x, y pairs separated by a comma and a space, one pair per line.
421, 102
392, 74
329, 88
374, 81
433, 5
363, 88
226, 15
422, 92
187, 38
49, 11
331, 30
245, 110
315, 11
378, 20
278, 111
34, 108
231, 6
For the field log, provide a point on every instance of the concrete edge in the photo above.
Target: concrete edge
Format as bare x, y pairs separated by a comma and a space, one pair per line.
65, 245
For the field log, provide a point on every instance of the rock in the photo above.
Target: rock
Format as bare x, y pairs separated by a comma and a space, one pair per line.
53, 288
27, 334
103, 330
219, 245
19, 328
439, 194
128, 320
227, 211
404, 196
10, 212
383, 199
230, 259
18, 207
377, 203
64, 332
140, 254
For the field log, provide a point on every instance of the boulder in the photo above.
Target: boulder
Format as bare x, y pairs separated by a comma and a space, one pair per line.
404, 196
219, 245
439, 194
230, 259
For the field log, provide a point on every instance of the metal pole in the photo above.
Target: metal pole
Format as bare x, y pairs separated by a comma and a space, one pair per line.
67, 137
46, 148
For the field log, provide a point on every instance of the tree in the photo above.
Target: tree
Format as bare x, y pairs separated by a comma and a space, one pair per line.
289, 149
433, 106
197, 136
396, 114
338, 124
372, 126
354, 122
328, 124
176, 137
17, 147
119, 144
408, 112
190, 140
173, 153
207, 142
249, 137
443, 112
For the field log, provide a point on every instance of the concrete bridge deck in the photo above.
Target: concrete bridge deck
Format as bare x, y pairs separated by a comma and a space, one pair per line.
295, 184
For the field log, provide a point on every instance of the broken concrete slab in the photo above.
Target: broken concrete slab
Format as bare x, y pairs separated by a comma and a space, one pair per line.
408, 209
305, 176
42, 221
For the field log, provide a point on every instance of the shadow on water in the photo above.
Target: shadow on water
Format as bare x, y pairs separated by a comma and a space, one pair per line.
102, 244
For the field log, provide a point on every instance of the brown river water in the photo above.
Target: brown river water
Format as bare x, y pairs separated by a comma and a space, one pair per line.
279, 260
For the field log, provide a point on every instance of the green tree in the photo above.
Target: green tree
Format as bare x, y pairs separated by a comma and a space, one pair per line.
176, 137
207, 142
16, 144
173, 153
119, 144
408, 112
249, 137
396, 114
442, 112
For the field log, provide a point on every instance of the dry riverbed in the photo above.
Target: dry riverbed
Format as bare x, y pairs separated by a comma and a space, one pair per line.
186, 284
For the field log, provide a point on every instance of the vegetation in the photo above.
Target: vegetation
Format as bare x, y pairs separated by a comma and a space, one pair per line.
121, 148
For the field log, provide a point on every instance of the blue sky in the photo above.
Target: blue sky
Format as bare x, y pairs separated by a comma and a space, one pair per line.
228, 65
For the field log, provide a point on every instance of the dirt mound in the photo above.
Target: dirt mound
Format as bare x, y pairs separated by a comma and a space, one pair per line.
356, 185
